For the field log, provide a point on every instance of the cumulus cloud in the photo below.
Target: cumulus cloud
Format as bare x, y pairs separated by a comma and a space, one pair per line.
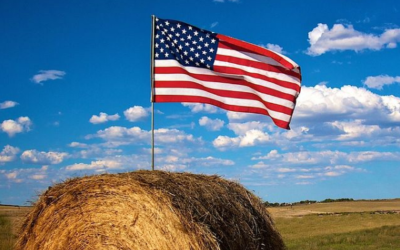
45, 75
345, 37
326, 157
274, 47
116, 136
199, 107
103, 117
8, 104
249, 138
210, 124
12, 127
348, 102
98, 166
377, 82
8, 154
43, 158
135, 113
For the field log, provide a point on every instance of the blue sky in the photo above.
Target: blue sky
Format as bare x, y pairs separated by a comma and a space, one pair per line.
75, 97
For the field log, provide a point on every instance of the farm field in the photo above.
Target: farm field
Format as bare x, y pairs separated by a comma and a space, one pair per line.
338, 225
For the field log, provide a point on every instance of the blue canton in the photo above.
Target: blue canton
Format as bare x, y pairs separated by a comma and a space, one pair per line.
187, 44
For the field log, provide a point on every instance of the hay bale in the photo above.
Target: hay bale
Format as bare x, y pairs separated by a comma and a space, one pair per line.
149, 210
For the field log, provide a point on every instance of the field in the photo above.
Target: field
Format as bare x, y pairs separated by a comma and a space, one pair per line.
324, 226
340, 225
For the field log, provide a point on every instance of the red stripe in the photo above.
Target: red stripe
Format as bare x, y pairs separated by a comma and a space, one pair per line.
223, 93
213, 78
198, 99
236, 71
257, 65
244, 46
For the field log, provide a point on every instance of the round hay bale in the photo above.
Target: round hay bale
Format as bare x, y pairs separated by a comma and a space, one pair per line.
149, 210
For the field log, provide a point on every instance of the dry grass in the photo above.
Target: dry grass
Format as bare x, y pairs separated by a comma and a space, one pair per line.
149, 210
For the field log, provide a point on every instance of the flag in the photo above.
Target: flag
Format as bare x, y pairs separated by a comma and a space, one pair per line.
199, 66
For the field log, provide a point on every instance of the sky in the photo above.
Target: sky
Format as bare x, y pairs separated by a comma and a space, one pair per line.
75, 97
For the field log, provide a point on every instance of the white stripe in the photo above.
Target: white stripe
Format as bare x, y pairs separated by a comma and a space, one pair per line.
226, 100
225, 86
278, 76
257, 58
195, 70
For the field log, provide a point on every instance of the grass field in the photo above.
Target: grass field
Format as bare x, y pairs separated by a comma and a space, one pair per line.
340, 225
358, 225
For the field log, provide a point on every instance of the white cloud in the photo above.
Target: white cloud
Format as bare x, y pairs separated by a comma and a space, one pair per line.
8, 154
11, 127
100, 165
345, 37
116, 136
214, 24
377, 82
199, 107
8, 104
274, 47
77, 145
42, 158
45, 75
249, 138
103, 117
210, 124
135, 113
321, 103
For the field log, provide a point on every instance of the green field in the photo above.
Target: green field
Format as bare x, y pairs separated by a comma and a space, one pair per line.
340, 225
361, 225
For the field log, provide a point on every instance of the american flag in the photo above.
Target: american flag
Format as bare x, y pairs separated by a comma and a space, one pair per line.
196, 65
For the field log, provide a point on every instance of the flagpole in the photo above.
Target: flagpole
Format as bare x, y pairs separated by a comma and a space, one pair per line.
152, 89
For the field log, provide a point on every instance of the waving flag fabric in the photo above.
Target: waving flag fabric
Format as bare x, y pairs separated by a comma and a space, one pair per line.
196, 65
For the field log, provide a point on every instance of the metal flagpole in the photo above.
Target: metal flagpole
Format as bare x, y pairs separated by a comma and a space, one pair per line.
152, 89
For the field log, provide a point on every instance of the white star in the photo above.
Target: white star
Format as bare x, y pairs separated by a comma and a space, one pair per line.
189, 37
182, 39
175, 41
162, 50
178, 25
208, 35
186, 61
156, 45
199, 47
202, 60
180, 47
166, 54
170, 35
192, 49
191, 58
157, 19
162, 32
190, 27
208, 66
177, 50
211, 50
183, 31
162, 40
177, 34
201, 39
213, 40
196, 33
206, 44
186, 44
172, 29
157, 36
161, 25
196, 55
185, 52
204, 52
167, 23
198, 64
156, 54
194, 42
157, 27
209, 58
168, 38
